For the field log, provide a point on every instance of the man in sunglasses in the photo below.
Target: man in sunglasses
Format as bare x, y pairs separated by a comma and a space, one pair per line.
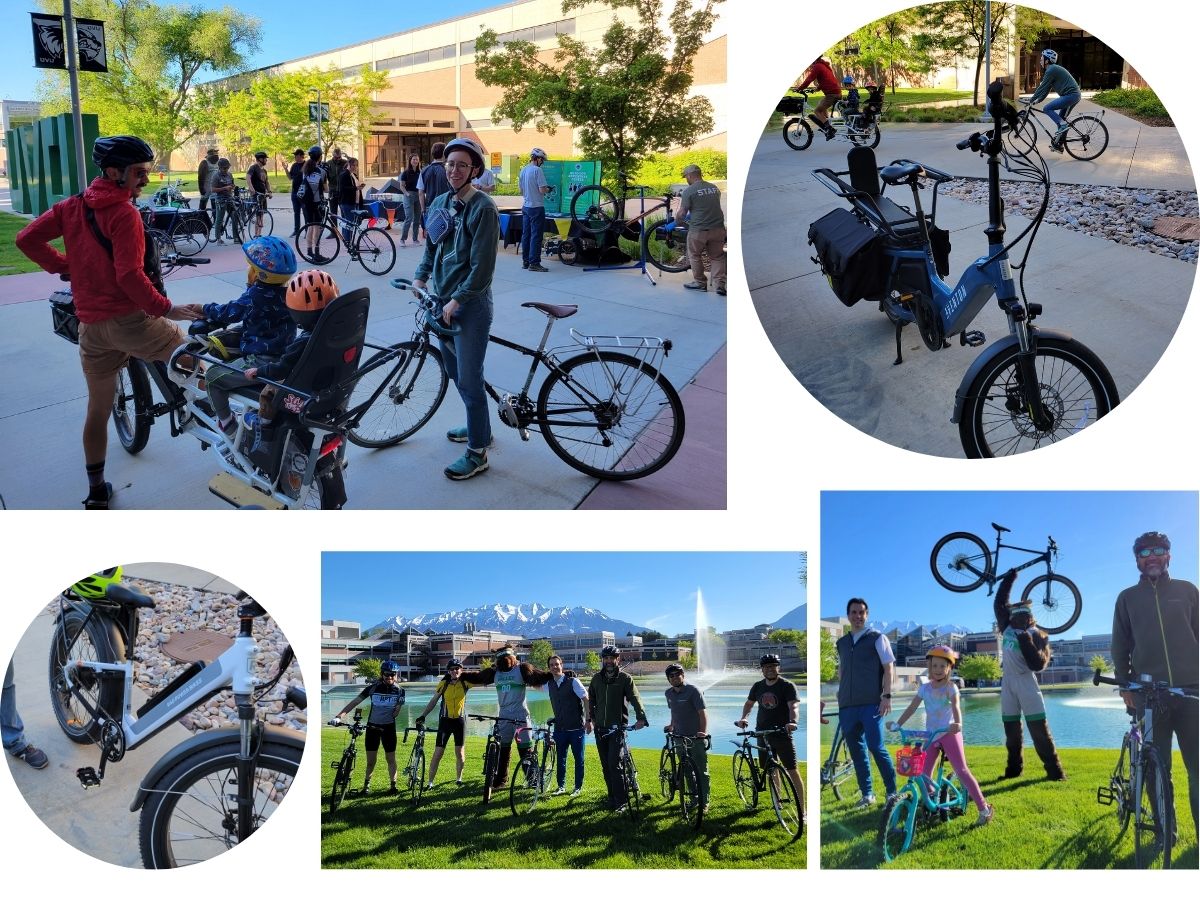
1155, 633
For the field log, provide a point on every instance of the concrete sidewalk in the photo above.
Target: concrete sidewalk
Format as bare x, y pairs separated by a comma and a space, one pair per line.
1123, 303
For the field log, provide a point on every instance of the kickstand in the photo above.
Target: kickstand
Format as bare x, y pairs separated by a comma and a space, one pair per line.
899, 355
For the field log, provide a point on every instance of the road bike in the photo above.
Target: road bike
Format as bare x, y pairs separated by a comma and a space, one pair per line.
246, 215
961, 562
677, 775
214, 790
1030, 388
751, 778
627, 773
606, 411
838, 766
1086, 136
596, 212
320, 242
534, 771
491, 753
858, 125
922, 800
1140, 786
345, 765
414, 771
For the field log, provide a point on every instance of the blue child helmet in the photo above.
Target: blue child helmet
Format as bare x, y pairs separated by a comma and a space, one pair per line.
271, 260
849, 79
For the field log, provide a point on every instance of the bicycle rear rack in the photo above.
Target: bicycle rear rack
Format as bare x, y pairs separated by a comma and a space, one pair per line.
646, 349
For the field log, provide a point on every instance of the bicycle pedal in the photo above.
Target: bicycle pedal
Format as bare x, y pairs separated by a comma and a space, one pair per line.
1105, 796
972, 339
87, 777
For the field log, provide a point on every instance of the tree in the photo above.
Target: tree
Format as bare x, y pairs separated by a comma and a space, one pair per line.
689, 661
368, 667
979, 667
1098, 662
829, 657
627, 98
486, 663
651, 635
155, 55
592, 660
793, 636
539, 653
890, 48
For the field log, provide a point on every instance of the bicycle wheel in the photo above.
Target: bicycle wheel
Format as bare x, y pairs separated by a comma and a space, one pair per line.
1086, 137
325, 490
318, 243
665, 250
375, 250
633, 792
797, 134
1154, 818
945, 796
690, 808
1021, 141
595, 209
524, 788
131, 406
868, 136
568, 251
99, 641
341, 780
1120, 786
1075, 386
784, 800
837, 769
666, 774
896, 828
251, 225
743, 779
414, 386
549, 767
491, 761
1056, 602
960, 562
416, 774
191, 812
610, 416
189, 235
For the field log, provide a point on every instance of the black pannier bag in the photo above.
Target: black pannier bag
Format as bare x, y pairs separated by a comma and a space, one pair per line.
851, 255
790, 106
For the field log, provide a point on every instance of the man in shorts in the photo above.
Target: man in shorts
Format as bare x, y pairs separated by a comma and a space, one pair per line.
451, 694
386, 700
822, 73
778, 706
122, 312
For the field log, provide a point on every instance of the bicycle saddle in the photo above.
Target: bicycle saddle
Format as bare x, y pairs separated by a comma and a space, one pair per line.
898, 174
553, 311
116, 593
1000, 527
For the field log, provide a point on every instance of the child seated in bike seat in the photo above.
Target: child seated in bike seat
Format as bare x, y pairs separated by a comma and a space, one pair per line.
851, 101
267, 326
943, 711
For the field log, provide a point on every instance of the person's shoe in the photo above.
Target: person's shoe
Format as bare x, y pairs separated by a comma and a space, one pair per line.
230, 427
403, 244
865, 802
33, 756
219, 241
559, 792
578, 792
467, 466
537, 267
524, 265
721, 291
457, 435
393, 789
364, 790
985, 815
890, 797
830, 134
458, 782
429, 787
620, 809
696, 286
98, 498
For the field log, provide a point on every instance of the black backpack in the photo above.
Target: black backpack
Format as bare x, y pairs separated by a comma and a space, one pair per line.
850, 255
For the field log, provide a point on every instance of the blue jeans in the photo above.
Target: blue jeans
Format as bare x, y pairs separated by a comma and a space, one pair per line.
533, 222
410, 218
11, 727
574, 740
1063, 104
862, 727
463, 359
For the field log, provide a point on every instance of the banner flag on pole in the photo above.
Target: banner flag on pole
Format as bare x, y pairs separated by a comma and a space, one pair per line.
89, 36
49, 44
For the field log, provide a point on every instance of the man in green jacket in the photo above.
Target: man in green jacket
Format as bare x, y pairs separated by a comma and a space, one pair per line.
610, 691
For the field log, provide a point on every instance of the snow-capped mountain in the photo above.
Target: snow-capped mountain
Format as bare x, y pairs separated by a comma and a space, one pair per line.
797, 618
904, 626
532, 620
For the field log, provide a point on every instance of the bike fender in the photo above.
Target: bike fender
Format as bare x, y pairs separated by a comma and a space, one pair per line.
202, 741
1000, 346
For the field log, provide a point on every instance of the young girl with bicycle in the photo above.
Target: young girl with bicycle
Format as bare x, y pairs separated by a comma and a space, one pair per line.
944, 713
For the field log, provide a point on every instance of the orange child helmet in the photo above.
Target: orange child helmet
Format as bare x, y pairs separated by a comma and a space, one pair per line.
308, 293
942, 651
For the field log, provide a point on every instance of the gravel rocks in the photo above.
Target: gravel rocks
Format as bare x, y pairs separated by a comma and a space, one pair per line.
1123, 215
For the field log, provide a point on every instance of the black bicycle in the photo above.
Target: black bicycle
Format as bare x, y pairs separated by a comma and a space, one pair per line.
961, 562
320, 242
627, 772
414, 771
599, 215
491, 753
345, 765
677, 775
837, 766
533, 773
751, 779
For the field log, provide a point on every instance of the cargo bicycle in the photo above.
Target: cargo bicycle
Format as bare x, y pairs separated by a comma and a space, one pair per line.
858, 125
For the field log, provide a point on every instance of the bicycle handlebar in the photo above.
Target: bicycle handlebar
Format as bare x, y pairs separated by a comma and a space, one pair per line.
496, 719
760, 732
1136, 686
927, 736
428, 304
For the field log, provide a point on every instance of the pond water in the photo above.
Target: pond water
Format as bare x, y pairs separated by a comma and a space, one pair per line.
723, 701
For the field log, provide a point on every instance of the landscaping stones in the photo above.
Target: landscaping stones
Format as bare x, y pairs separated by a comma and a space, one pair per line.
1123, 215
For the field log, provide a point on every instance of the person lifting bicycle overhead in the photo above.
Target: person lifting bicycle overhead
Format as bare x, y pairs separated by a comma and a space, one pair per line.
608, 695
1154, 633
1058, 80
778, 707
822, 73
386, 700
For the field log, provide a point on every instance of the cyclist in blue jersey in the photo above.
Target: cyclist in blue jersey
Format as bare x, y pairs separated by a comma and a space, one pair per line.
386, 700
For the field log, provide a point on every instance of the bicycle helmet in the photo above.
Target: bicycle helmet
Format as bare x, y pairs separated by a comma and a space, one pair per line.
610, 651
673, 669
455, 663
121, 151
471, 148
537, 153
942, 651
271, 260
389, 668
1050, 56
308, 293
849, 79
94, 586
1152, 539
770, 659
315, 152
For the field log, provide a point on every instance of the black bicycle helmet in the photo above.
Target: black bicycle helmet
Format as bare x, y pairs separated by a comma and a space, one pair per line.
389, 668
610, 650
1152, 539
121, 151
314, 151
674, 669
455, 663
768, 659
473, 150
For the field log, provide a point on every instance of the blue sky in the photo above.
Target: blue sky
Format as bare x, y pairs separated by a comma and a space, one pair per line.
285, 35
653, 589
876, 545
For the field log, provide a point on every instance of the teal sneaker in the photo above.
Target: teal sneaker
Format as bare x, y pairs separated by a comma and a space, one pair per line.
467, 466
457, 435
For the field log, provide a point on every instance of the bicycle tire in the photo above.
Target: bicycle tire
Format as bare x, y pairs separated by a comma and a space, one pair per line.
568, 251
797, 134
132, 402
837, 769
633, 792
341, 780
99, 641
549, 766
1120, 784
199, 791
524, 788
415, 388
667, 774
251, 223
1054, 610
869, 138
610, 415
416, 775
324, 489
895, 833
665, 250
744, 781
189, 235
594, 209
377, 245
322, 239
1154, 823
691, 809
961, 562
1086, 137
491, 761
785, 802
1077, 390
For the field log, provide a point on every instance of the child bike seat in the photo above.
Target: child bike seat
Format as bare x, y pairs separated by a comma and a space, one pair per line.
864, 179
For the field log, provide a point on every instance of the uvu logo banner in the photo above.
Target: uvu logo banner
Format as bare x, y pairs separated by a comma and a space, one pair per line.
49, 46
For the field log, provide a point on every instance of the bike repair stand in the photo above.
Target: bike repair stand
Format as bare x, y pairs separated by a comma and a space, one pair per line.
641, 263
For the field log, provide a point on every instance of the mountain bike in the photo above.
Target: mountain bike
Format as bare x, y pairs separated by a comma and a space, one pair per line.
533, 772
320, 242
677, 774
606, 411
414, 771
491, 753
1140, 786
214, 790
961, 562
345, 765
600, 215
859, 126
751, 778
627, 772
922, 800
1086, 136
837, 766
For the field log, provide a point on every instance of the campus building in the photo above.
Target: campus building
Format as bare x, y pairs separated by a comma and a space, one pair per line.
744, 647
14, 113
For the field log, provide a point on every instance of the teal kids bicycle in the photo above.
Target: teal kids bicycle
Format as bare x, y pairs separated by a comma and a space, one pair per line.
922, 800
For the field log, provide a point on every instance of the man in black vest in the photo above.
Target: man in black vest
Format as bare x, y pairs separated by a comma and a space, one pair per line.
568, 699
866, 669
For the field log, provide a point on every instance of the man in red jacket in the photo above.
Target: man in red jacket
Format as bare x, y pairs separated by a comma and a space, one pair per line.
121, 311
822, 73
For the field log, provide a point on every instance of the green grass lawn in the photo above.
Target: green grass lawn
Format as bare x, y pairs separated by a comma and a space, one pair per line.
1039, 824
12, 260
451, 829
1141, 104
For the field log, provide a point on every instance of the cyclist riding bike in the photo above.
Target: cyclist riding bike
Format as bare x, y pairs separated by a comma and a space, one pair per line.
386, 700
822, 73
1056, 79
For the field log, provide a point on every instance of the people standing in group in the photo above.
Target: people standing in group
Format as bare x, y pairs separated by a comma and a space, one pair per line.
204, 172
256, 178
700, 205
821, 72
350, 196
689, 719
412, 200
386, 700
866, 673
1057, 80
311, 193
220, 190
296, 176
450, 697
1155, 633
610, 694
432, 182
462, 240
568, 700
118, 295
778, 707
534, 189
